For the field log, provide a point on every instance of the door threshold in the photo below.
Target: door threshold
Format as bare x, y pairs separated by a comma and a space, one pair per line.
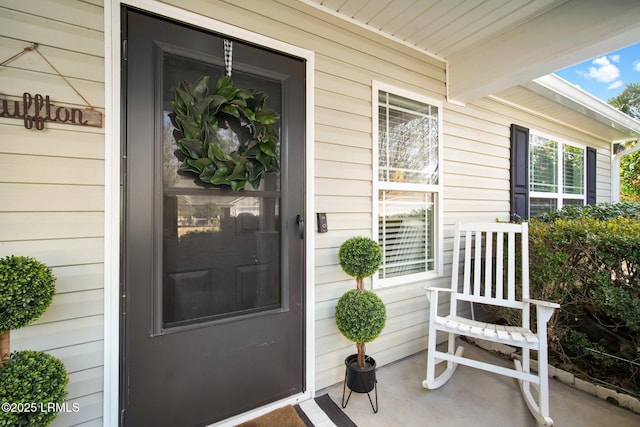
254, 413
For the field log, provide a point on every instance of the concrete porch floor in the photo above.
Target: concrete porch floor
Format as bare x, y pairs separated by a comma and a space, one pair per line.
472, 398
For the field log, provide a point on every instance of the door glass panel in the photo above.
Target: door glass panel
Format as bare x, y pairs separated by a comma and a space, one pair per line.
220, 248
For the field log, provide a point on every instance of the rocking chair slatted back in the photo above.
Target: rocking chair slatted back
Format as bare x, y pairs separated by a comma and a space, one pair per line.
491, 271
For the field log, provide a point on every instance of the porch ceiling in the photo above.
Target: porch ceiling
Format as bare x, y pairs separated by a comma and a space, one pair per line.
492, 45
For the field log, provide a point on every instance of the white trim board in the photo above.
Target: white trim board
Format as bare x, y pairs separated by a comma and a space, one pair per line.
113, 84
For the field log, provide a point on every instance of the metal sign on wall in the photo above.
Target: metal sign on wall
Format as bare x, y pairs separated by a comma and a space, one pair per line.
35, 110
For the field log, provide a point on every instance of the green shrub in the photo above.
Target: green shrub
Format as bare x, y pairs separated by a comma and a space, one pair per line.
590, 266
32, 381
360, 257
26, 290
586, 259
601, 211
360, 316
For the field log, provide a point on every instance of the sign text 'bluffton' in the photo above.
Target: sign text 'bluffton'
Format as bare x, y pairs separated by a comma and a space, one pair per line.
35, 110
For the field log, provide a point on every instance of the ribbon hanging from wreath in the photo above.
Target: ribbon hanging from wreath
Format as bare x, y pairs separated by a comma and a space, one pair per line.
227, 137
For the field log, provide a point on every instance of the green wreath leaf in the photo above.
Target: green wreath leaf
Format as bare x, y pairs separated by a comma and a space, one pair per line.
201, 87
198, 115
267, 116
224, 82
231, 110
220, 176
238, 185
191, 147
269, 148
190, 128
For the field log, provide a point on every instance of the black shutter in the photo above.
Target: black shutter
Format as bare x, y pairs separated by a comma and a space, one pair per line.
591, 176
519, 172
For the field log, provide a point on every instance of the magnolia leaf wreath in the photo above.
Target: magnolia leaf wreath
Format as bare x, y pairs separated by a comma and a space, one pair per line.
226, 137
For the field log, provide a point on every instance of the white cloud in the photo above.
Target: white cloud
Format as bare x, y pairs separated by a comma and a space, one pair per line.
615, 58
603, 71
636, 65
615, 85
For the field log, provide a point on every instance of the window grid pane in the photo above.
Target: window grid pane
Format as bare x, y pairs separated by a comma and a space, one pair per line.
543, 165
573, 170
573, 202
538, 205
406, 232
407, 141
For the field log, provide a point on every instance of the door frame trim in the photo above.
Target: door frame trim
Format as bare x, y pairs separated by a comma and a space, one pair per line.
113, 208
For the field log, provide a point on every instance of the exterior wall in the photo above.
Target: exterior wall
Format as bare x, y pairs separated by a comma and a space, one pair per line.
51, 186
52, 181
476, 163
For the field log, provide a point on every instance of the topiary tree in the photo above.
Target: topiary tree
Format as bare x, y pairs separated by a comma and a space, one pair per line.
26, 291
360, 314
32, 387
32, 383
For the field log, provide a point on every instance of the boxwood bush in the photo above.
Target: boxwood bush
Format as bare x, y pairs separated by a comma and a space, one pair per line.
360, 256
360, 316
30, 382
26, 290
588, 260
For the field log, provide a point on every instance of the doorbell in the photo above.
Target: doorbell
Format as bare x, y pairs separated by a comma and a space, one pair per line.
322, 222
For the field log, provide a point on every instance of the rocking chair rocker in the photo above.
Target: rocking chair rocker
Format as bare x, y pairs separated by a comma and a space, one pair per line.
487, 280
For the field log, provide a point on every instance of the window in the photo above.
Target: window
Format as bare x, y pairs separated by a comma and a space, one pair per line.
556, 174
407, 185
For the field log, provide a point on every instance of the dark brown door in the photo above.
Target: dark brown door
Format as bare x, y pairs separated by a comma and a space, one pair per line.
213, 279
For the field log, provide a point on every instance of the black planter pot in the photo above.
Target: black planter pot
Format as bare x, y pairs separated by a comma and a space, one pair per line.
360, 380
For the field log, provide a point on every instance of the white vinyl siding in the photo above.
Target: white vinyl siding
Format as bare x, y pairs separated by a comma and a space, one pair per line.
52, 187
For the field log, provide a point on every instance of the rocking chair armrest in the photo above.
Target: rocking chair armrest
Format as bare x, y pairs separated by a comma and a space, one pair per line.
437, 289
433, 292
540, 303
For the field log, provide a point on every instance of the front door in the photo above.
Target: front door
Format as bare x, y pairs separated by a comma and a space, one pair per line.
213, 279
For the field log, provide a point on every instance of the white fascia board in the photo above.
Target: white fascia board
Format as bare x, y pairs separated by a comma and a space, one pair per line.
561, 91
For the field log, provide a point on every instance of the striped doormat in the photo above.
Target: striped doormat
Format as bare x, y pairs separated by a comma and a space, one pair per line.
322, 411
318, 412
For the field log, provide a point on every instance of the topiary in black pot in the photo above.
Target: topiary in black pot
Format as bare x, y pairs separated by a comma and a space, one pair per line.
32, 388
360, 314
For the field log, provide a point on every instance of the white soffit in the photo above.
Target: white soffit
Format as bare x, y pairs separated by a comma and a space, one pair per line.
491, 45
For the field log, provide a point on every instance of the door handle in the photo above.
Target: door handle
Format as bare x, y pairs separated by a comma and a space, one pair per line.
300, 222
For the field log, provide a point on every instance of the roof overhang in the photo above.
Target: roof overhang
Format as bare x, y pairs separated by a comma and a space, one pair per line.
571, 33
492, 45
564, 93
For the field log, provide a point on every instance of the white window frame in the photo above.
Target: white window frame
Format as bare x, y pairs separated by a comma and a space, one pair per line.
437, 189
558, 195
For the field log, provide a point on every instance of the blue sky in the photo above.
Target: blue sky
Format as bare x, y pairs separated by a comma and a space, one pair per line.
606, 76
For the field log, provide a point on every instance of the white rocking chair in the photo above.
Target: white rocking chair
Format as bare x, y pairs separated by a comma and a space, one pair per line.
489, 277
